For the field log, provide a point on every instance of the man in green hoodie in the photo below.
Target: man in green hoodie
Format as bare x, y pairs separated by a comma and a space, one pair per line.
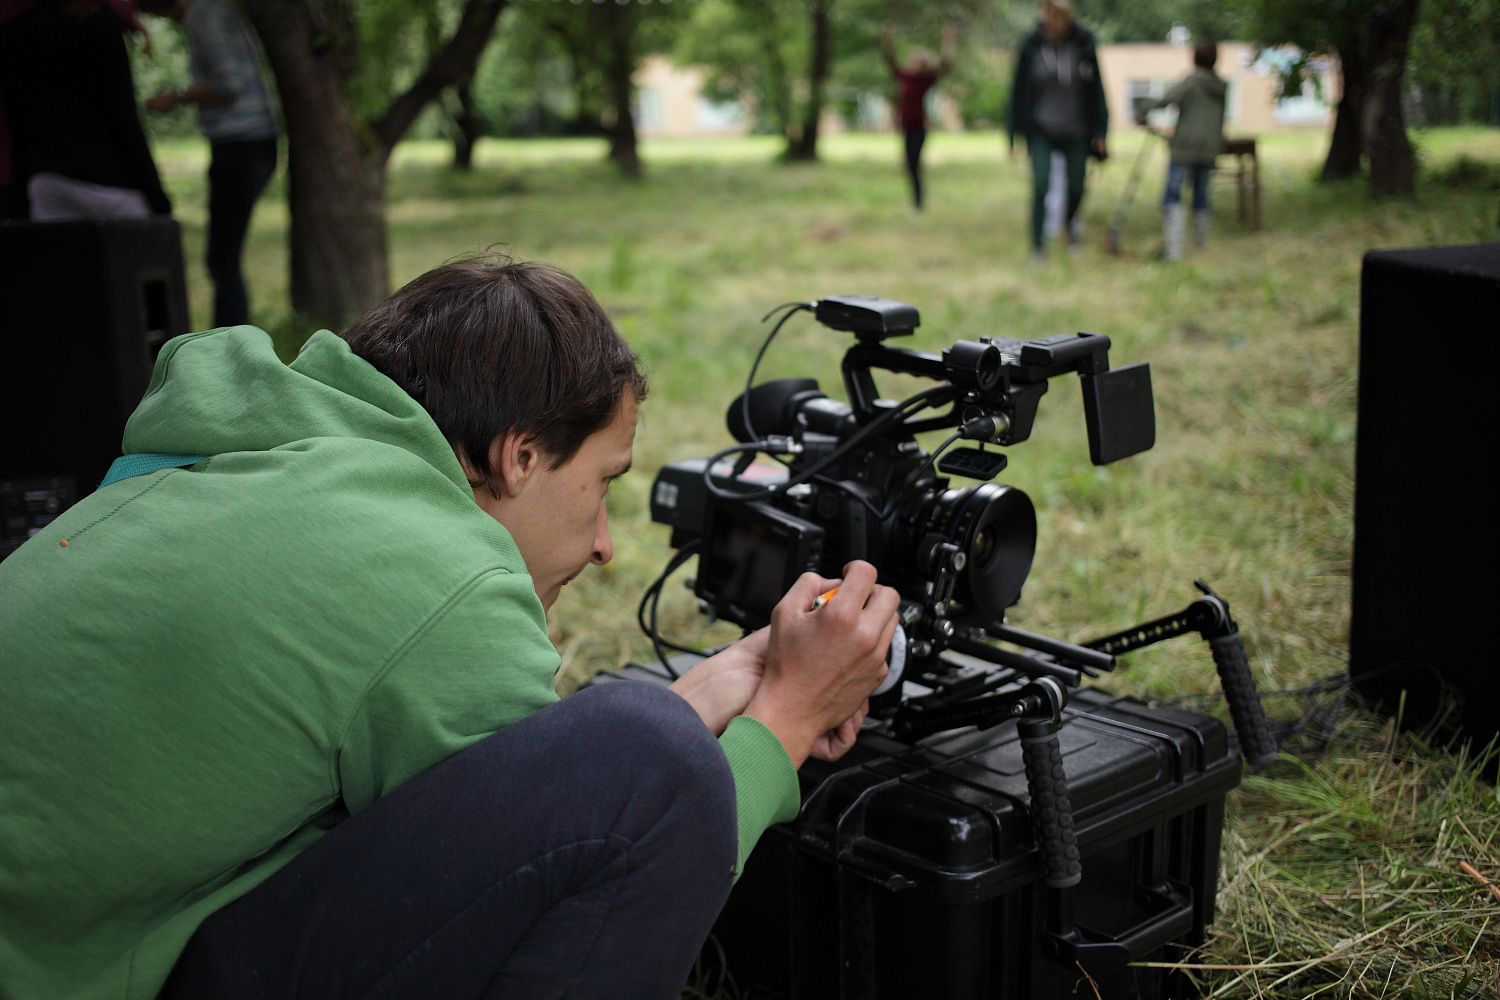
278, 716
1195, 145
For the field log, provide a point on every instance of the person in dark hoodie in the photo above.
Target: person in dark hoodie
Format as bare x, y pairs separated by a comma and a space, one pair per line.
1057, 103
1195, 144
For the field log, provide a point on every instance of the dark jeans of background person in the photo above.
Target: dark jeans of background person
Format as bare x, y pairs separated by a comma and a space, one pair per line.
1198, 174
1076, 154
236, 176
581, 852
915, 137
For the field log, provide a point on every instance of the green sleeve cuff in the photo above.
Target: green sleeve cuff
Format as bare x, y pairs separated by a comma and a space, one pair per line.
765, 782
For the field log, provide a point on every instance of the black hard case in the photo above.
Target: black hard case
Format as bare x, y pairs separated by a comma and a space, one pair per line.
84, 309
913, 872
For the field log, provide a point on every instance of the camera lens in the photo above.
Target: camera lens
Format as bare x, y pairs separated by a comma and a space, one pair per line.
994, 526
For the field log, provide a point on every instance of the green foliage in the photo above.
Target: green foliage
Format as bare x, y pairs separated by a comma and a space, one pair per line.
396, 38
549, 72
1455, 61
527, 85
1151, 20
1466, 173
753, 50
165, 69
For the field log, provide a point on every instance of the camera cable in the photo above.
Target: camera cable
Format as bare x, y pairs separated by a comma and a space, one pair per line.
935, 396
652, 596
792, 308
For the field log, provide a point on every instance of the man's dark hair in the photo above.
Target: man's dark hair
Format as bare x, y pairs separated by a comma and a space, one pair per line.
490, 346
1206, 53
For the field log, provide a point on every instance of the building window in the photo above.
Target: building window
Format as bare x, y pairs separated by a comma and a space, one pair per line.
648, 108
717, 116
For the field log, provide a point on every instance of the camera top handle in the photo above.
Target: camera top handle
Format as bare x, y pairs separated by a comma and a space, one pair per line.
1005, 379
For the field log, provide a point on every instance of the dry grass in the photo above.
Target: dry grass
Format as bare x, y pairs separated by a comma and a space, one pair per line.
1360, 876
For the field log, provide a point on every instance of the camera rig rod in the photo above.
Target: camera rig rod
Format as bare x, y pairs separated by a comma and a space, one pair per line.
1091, 660
1209, 617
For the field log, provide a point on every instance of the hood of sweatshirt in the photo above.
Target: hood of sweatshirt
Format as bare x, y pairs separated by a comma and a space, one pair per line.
226, 390
1211, 82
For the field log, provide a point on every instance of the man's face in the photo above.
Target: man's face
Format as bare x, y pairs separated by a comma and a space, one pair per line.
557, 516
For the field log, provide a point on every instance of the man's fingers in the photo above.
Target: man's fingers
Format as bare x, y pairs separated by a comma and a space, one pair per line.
806, 589
883, 602
859, 580
887, 636
756, 641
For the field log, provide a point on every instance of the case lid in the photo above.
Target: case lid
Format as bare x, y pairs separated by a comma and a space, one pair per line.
950, 814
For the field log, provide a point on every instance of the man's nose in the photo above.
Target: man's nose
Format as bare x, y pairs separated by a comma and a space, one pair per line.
604, 546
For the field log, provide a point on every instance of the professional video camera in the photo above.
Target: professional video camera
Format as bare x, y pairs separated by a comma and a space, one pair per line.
855, 484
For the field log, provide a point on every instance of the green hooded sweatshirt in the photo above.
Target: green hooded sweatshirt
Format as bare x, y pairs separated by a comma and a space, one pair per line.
1198, 138
201, 668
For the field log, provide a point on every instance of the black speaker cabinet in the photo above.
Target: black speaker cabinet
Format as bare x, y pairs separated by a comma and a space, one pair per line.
84, 307
1424, 522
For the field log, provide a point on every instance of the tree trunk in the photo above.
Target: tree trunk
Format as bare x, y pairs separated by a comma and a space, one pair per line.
619, 69
805, 146
465, 127
335, 160
1393, 165
777, 85
335, 174
1347, 145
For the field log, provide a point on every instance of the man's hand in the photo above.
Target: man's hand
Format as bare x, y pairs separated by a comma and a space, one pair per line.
1100, 149
821, 665
836, 742
721, 686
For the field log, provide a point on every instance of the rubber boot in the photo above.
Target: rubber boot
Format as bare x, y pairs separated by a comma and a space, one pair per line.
1173, 225
1201, 219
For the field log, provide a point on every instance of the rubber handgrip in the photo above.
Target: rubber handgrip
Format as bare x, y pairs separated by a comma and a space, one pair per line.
1244, 701
1051, 811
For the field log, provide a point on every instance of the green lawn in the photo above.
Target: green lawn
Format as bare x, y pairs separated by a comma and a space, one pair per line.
1252, 344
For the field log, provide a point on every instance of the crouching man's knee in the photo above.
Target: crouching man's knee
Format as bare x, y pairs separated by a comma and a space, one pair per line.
668, 774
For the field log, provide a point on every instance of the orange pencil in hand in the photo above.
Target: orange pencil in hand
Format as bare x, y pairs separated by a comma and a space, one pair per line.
824, 598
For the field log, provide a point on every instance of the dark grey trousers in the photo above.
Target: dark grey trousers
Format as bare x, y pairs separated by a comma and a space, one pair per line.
582, 852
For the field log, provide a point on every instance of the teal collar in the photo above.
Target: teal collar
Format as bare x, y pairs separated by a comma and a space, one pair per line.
143, 463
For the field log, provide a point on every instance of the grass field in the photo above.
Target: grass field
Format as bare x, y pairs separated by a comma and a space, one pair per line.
1252, 344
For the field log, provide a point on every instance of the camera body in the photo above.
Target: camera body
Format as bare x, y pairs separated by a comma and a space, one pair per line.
854, 483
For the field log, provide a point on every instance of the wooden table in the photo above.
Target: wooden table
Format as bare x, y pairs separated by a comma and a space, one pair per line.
1246, 181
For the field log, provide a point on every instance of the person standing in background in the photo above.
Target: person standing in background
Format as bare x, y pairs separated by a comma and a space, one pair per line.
913, 81
1057, 103
76, 147
1195, 144
234, 112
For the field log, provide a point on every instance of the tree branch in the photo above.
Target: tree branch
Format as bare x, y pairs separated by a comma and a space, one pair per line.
456, 61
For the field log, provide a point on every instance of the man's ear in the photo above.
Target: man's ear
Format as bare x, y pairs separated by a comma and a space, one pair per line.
512, 459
